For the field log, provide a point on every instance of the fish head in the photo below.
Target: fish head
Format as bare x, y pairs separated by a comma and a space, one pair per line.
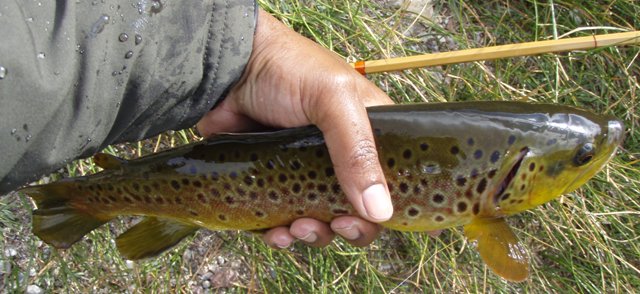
563, 153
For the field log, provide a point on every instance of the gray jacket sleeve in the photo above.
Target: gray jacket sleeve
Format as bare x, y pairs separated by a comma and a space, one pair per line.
76, 76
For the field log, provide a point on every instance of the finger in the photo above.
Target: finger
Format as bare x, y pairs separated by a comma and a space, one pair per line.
224, 118
312, 232
344, 122
356, 231
278, 238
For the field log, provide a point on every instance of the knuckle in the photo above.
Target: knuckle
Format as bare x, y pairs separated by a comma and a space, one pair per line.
364, 155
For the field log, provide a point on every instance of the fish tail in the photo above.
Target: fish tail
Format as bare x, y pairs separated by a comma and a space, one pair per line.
55, 220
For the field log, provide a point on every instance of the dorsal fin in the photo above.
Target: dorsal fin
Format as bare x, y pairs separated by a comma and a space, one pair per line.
152, 236
499, 248
108, 161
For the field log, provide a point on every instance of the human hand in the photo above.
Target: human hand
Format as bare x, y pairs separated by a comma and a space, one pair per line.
291, 81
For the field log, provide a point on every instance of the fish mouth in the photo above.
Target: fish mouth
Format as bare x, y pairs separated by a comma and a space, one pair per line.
506, 181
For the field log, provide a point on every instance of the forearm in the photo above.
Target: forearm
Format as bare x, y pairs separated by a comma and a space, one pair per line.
79, 77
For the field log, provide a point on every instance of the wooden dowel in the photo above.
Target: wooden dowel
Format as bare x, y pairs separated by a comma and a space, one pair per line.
494, 52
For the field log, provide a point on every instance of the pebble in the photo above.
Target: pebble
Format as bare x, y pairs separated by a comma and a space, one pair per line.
34, 289
10, 252
206, 284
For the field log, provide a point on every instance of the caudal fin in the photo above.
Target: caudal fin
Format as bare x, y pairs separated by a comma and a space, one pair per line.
55, 221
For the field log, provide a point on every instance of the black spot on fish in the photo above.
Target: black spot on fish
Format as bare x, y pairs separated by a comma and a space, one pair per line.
505, 196
413, 212
312, 197
222, 217
296, 165
404, 187
270, 164
226, 186
470, 142
215, 176
248, 180
439, 218
193, 212
477, 154
511, 140
332, 199
253, 157
312, 175
201, 198
424, 146
137, 198
159, 200
416, 189
329, 172
259, 213
185, 181
215, 192
462, 206
335, 188
105, 200
339, 211
253, 195
406, 154
113, 199
532, 166
302, 178
391, 162
273, 196
482, 185
229, 200
319, 153
522, 187
99, 187
282, 178
476, 208
178, 200
492, 173
146, 188
128, 200
135, 186
147, 199
322, 188
299, 212
296, 188
241, 192
454, 150
260, 182
437, 198
461, 181
474, 173
175, 185
197, 184
495, 156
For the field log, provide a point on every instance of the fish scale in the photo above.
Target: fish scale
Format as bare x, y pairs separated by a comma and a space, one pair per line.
446, 165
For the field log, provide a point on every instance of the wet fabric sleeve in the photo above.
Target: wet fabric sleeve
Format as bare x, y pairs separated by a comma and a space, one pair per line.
76, 76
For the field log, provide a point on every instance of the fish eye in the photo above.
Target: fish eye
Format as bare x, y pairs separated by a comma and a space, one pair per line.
584, 154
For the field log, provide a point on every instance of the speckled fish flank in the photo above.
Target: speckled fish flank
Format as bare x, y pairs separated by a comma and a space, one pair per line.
454, 164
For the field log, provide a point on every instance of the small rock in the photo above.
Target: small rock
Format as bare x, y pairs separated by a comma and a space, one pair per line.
10, 252
130, 264
206, 284
34, 289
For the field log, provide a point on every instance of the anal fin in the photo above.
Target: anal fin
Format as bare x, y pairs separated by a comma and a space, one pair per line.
152, 236
499, 248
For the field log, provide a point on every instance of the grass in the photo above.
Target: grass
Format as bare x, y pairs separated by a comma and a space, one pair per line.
584, 242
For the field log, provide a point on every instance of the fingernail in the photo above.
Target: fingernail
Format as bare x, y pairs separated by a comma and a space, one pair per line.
281, 246
377, 202
310, 238
349, 233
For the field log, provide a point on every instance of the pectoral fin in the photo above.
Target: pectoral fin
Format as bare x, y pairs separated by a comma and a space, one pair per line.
499, 248
151, 237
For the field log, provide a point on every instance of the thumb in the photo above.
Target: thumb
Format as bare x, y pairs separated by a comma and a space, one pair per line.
343, 119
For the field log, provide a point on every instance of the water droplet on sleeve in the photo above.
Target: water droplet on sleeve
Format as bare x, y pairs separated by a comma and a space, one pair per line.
41, 55
13, 131
3, 72
128, 55
123, 37
138, 39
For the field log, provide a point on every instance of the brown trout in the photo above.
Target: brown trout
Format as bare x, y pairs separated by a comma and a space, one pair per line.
452, 164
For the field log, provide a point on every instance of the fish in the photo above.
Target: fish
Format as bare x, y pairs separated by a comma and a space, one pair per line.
468, 164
